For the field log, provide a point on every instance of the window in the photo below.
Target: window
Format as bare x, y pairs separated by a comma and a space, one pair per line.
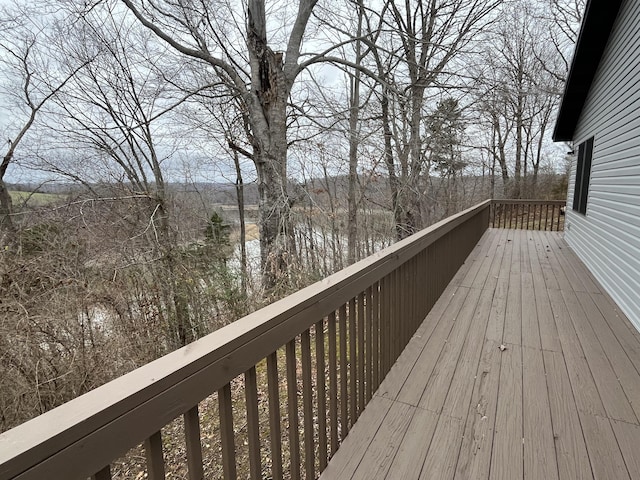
583, 175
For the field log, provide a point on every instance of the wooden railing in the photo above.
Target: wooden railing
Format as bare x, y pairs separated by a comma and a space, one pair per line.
273, 394
528, 214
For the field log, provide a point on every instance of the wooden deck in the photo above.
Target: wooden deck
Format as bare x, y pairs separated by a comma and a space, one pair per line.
523, 369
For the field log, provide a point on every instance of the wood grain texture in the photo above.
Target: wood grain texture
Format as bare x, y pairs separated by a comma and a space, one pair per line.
507, 457
539, 452
628, 437
378, 457
502, 387
571, 451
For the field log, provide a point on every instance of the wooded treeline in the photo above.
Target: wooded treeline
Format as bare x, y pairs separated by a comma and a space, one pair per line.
350, 125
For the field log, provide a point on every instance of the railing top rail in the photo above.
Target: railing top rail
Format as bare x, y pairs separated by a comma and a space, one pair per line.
528, 201
146, 399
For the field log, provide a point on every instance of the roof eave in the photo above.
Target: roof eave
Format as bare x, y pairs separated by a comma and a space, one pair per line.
597, 24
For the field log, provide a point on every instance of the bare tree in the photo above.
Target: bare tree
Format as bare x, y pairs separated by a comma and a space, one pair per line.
565, 16
261, 76
115, 110
423, 40
30, 81
517, 93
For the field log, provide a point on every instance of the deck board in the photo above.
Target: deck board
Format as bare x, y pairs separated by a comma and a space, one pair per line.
539, 453
571, 451
560, 400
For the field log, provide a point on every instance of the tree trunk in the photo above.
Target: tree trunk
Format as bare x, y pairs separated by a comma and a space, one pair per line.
394, 184
408, 220
267, 104
243, 226
276, 229
7, 228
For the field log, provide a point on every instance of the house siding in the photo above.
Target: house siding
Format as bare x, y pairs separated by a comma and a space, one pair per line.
607, 239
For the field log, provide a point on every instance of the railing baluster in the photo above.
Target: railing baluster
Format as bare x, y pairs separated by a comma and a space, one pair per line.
376, 334
396, 306
546, 216
559, 217
292, 394
227, 436
539, 221
493, 213
344, 397
193, 444
369, 344
275, 428
353, 364
307, 402
413, 279
407, 321
333, 381
405, 288
155, 457
104, 474
322, 397
387, 324
253, 423
384, 334
510, 215
400, 308
361, 347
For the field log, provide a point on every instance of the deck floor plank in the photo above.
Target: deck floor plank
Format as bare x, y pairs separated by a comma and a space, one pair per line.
524, 368
628, 437
585, 391
393, 382
415, 384
539, 453
507, 454
613, 396
549, 339
571, 451
604, 451
412, 452
585, 281
381, 451
461, 385
484, 255
435, 392
621, 327
513, 326
475, 453
441, 458
350, 453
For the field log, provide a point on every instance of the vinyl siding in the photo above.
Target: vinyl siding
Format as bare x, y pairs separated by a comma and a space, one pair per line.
607, 239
